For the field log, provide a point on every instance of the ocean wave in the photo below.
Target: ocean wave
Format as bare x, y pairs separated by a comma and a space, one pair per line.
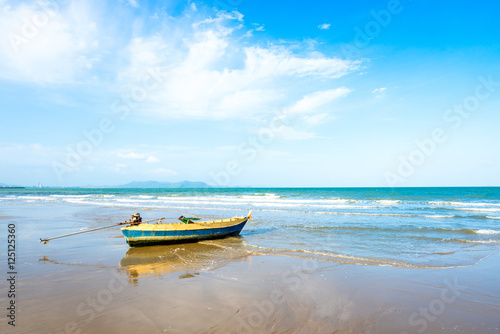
71, 196
231, 201
32, 197
268, 195
275, 200
388, 201
463, 203
487, 232
289, 206
480, 209
339, 257
76, 201
444, 253
398, 229
341, 200
368, 214
468, 241
475, 217
272, 202
445, 203
471, 231
324, 206
439, 216
258, 200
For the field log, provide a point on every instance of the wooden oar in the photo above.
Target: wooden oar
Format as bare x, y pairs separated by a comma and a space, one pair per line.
94, 229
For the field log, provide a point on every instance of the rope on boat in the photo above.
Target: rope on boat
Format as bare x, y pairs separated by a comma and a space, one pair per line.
45, 241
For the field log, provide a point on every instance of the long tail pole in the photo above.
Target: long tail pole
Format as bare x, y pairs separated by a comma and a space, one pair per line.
91, 230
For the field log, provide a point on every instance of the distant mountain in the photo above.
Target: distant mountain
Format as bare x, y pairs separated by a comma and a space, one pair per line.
156, 184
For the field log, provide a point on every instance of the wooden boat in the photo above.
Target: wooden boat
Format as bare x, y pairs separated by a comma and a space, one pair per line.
189, 230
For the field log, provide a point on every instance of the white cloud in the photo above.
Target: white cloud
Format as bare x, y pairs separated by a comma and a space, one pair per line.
379, 91
290, 133
130, 155
324, 26
209, 73
228, 148
316, 119
164, 171
45, 42
281, 62
27, 151
259, 27
133, 3
314, 101
220, 17
206, 67
119, 167
152, 160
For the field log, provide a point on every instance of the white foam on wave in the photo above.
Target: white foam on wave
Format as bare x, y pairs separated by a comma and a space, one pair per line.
388, 201
259, 195
77, 201
471, 241
139, 201
489, 241
325, 206
480, 209
32, 199
342, 258
438, 216
463, 203
487, 232
265, 201
70, 196
446, 203
343, 213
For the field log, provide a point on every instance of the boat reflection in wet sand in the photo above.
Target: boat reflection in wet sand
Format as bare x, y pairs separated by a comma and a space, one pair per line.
189, 258
140, 234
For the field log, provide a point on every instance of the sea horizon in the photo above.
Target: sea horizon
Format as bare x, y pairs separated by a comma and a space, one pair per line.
249, 187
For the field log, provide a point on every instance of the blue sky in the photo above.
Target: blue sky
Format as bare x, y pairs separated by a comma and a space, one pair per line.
250, 93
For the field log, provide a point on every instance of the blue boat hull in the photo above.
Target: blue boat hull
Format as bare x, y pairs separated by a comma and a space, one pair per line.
136, 238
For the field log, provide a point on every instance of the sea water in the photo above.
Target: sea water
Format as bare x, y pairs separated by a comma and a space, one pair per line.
406, 227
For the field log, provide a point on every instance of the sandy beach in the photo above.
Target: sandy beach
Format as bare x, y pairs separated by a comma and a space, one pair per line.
95, 283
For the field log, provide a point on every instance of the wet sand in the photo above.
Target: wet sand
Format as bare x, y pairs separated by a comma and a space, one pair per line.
95, 283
